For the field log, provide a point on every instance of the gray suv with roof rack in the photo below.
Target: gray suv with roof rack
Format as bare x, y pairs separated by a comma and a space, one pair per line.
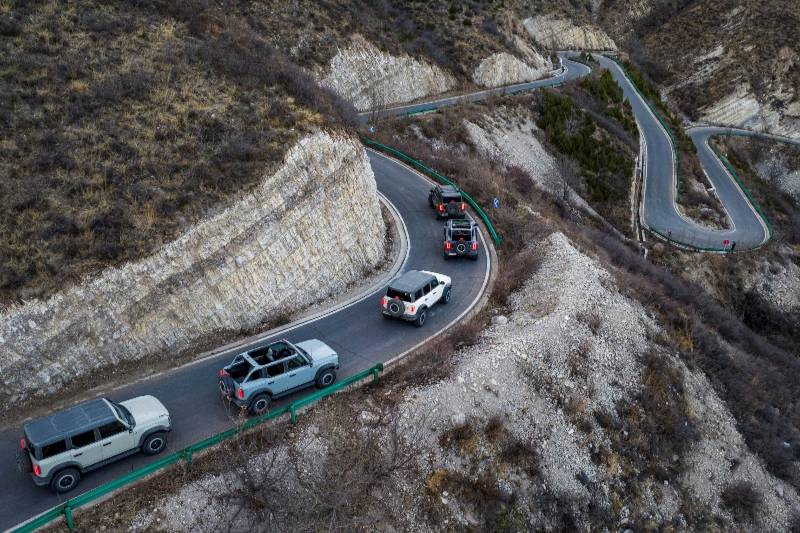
460, 239
57, 449
256, 377
410, 296
446, 200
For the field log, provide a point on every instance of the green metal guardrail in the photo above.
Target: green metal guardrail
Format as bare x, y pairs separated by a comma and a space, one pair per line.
66, 509
438, 177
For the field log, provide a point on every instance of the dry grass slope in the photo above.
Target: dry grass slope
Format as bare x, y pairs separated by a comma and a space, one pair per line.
122, 123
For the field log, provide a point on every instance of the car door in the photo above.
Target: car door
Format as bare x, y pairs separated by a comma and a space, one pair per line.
116, 438
275, 375
86, 450
299, 372
436, 291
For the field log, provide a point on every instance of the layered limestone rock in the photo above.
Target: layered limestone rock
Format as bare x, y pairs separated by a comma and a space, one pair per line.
307, 231
503, 69
370, 78
563, 34
742, 109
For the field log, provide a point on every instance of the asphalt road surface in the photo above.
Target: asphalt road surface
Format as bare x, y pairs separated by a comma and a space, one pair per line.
359, 333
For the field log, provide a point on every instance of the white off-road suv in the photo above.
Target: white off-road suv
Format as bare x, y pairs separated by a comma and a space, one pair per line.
59, 448
411, 295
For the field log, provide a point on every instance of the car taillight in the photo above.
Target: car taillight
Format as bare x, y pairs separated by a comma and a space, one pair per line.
21, 444
222, 373
240, 393
411, 309
37, 470
441, 207
474, 246
383, 301
463, 206
448, 245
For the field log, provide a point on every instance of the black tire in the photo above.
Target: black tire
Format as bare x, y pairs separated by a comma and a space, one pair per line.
474, 257
421, 316
260, 404
155, 443
65, 480
325, 378
445, 299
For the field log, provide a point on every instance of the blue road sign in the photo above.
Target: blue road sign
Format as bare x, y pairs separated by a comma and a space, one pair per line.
495, 203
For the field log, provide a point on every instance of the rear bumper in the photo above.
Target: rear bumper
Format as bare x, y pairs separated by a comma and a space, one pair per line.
40, 481
468, 253
407, 318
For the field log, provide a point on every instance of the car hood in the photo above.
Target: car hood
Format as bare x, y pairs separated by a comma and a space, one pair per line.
146, 409
318, 350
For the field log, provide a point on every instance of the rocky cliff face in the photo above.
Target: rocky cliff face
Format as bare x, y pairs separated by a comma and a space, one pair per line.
371, 78
730, 63
503, 68
563, 34
307, 231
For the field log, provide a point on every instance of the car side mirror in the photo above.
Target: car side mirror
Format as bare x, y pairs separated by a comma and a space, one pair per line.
441, 282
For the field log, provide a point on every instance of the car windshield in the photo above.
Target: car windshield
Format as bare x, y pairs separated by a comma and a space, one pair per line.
304, 354
452, 197
402, 295
123, 413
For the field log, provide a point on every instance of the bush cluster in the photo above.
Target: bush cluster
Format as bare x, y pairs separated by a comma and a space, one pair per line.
605, 167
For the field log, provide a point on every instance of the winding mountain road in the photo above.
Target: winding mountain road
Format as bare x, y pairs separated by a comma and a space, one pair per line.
357, 332
659, 213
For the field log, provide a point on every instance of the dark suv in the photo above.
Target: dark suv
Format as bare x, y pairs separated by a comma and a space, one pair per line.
447, 202
460, 239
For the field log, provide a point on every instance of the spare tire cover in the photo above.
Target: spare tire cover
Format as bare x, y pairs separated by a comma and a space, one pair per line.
395, 307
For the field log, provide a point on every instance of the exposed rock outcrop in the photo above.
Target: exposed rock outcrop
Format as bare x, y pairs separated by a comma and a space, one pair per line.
742, 108
563, 34
308, 230
503, 68
370, 78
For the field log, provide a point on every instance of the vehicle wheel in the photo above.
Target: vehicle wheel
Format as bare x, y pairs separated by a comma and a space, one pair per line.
260, 404
154, 443
446, 256
474, 257
421, 316
446, 296
66, 480
325, 378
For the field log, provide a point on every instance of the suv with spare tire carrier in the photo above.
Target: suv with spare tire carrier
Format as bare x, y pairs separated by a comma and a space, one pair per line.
410, 296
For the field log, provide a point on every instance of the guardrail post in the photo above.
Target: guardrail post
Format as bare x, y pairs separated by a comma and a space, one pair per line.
68, 517
375, 376
187, 456
293, 414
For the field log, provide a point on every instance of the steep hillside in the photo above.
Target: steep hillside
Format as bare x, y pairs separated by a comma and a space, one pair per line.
122, 123
724, 62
